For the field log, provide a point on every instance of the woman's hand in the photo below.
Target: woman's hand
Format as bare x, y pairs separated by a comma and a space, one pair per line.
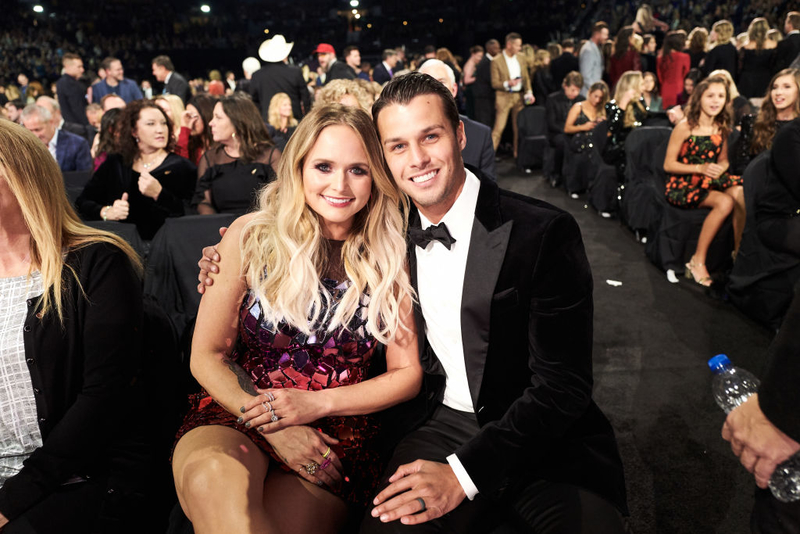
3, 521
189, 120
589, 126
301, 446
276, 409
713, 170
119, 209
149, 186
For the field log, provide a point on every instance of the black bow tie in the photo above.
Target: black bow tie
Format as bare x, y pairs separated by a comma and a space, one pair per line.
421, 237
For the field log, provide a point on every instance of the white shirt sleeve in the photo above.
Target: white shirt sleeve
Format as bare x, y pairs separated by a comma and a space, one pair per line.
463, 477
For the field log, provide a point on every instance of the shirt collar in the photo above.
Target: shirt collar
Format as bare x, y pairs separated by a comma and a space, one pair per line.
166, 80
53, 142
461, 214
792, 32
509, 58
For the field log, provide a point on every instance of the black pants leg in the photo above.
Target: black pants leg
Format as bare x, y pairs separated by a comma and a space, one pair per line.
771, 516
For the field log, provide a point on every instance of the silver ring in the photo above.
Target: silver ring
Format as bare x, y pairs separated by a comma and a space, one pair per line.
422, 502
270, 396
318, 483
267, 407
274, 418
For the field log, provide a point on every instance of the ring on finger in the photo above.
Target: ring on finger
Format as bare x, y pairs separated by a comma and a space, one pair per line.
311, 468
270, 396
274, 417
422, 503
327, 453
325, 464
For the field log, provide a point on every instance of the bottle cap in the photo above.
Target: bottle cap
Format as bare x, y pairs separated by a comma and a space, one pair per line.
719, 362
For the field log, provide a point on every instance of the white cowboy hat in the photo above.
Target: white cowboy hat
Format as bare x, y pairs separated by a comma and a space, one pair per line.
275, 49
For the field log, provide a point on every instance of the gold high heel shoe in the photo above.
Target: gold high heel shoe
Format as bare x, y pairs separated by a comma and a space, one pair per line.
705, 281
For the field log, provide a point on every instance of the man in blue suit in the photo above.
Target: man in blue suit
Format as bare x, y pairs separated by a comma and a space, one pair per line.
69, 150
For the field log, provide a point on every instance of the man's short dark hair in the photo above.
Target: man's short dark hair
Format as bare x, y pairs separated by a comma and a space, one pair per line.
430, 49
402, 89
349, 49
513, 35
17, 103
573, 78
475, 49
491, 42
599, 26
794, 19
69, 56
388, 53
567, 43
106, 63
164, 61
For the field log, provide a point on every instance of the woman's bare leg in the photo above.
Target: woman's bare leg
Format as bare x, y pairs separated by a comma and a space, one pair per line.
721, 206
739, 213
300, 507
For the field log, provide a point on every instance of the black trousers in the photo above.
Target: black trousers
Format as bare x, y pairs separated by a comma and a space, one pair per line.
538, 506
771, 516
484, 109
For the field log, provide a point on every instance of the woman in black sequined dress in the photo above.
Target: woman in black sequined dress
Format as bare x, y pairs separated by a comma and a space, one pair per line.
579, 127
280, 439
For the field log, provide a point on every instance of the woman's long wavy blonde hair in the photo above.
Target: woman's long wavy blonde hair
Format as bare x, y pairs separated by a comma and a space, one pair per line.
37, 185
274, 112
284, 253
629, 79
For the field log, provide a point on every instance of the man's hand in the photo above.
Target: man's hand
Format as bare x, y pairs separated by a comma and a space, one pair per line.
434, 482
759, 444
208, 264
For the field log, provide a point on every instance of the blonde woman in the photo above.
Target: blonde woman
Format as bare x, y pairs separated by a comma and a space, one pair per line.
174, 108
346, 92
542, 80
755, 60
71, 333
279, 440
624, 112
281, 123
646, 23
722, 53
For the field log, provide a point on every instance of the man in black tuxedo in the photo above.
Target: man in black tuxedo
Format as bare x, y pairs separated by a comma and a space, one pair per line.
71, 92
505, 302
482, 90
277, 76
384, 71
565, 63
479, 151
788, 49
556, 111
174, 83
335, 69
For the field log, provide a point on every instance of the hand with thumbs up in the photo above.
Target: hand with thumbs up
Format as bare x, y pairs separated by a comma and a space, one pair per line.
119, 210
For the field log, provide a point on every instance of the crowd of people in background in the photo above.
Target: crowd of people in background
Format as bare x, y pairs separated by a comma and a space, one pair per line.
165, 144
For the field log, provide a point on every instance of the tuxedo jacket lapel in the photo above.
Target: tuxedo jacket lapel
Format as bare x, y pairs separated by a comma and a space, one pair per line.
487, 250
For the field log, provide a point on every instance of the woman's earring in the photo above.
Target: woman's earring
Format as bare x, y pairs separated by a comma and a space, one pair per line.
136, 138
233, 135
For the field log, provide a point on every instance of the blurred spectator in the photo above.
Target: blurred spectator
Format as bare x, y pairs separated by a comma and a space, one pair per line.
646, 23
352, 60
14, 110
482, 90
698, 46
69, 150
475, 55
145, 183
557, 109
512, 85
107, 139
650, 93
50, 104
230, 82
174, 83
345, 92
672, 65
565, 63
34, 91
789, 48
71, 92
195, 132
216, 88
249, 66
756, 59
624, 56
174, 108
115, 83
543, 83
738, 106
384, 71
94, 113
112, 102
446, 56
147, 89
276, 76
624, 113
281, 124
591, 57
329, 67
691, 80
242, 159
775, 36
649, 53
22, 80
722, 54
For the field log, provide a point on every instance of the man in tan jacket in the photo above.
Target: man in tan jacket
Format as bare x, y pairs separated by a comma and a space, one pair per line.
512, 84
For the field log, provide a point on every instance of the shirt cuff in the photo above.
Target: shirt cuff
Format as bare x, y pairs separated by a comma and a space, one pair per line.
463, 477
505, 84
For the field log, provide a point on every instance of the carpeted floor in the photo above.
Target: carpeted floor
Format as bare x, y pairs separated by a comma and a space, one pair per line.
652, 340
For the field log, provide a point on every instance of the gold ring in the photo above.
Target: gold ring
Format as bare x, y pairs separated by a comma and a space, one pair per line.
311, 468
327, 453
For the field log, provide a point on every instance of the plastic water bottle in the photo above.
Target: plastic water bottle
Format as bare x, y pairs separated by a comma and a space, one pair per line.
731, 387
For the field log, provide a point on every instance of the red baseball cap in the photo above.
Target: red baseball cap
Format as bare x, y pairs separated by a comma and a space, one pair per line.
324, 48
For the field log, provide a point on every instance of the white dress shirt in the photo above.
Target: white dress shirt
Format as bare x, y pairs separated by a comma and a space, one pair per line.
440, 281
51, 146
514, 71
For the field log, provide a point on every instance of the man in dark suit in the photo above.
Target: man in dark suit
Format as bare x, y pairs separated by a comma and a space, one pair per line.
71, 92
277, 76
69, 150
384, 71
51, 104
482, 90
556, 111
788, 49
505, 303
478, 152
332, 67
174, 83
565, 63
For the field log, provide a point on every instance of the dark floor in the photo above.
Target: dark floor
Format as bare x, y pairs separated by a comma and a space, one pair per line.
652, 340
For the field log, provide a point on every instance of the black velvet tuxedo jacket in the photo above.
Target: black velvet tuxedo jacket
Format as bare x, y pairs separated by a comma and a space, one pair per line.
526, 323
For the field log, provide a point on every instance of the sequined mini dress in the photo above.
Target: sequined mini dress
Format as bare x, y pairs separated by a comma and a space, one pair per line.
690, 190
280, 356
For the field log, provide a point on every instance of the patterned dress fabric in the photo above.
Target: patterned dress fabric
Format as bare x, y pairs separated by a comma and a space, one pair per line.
280, 356
690, 190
